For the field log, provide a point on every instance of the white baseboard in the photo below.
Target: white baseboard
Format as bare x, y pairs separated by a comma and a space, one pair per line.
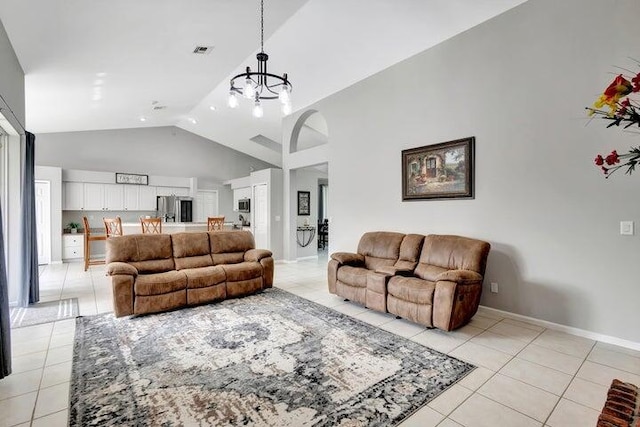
55, 262
302, 258
568, 329
285, 261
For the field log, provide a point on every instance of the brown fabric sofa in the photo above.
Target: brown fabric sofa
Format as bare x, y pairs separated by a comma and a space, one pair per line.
434, 280
157, 272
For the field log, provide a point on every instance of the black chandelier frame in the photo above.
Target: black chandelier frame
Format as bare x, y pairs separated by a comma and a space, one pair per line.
260, 78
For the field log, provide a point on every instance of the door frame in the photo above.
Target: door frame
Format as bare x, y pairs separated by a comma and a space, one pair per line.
47, 220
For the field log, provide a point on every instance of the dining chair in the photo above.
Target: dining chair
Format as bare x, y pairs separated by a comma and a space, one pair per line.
88, 238
112, 226
151, 225
215, 223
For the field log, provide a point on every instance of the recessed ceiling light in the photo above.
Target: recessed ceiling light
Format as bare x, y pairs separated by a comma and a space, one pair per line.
143, 119
102, 74
192, 120
212, 108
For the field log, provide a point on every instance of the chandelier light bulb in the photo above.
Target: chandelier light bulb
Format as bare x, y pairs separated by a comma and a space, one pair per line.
233, 100
284, 95
249, 92
257, 110
286, 109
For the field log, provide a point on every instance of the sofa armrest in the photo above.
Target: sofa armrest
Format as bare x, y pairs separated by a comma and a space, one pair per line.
256, 254
460, 276
347, 258
395, 271
114, 268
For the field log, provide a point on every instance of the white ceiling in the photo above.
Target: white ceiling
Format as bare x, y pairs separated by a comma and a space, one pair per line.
100, 65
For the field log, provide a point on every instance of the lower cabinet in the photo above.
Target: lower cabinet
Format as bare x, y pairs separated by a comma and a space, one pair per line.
72, 246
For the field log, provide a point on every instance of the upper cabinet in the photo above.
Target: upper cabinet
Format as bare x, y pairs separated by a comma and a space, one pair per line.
73, 196
139, 198
108, 197
173, 191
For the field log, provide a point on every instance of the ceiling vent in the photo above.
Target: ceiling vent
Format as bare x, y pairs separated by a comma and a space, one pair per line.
203, 50
159, 107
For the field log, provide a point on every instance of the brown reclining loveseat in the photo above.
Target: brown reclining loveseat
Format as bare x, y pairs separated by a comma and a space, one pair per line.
434, 280
158, 272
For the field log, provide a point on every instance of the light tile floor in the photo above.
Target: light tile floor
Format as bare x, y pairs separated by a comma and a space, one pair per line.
526, 375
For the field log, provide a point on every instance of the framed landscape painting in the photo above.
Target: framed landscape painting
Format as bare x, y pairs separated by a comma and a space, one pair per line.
439, 171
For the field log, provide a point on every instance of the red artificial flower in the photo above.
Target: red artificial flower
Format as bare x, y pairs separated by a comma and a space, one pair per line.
624, 105
612, 158
618, 88
636, 83
599, 160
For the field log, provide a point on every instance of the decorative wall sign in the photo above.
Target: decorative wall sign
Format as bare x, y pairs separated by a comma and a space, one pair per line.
439, 171
132, 178
304, 203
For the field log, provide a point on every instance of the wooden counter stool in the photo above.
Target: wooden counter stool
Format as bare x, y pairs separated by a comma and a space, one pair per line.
88, 238
215, 223
112, 226
151, 225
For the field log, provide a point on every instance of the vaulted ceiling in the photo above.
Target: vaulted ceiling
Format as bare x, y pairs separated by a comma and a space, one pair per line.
109, 64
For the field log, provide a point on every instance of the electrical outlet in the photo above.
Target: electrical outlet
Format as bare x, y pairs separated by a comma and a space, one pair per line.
494, 287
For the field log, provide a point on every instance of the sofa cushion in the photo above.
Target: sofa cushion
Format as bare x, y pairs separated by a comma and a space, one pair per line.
380, 248
191, 250
428, 272
228, 247
455, 253
353, 276
160, 283
204, 276
242, 271
411, 289
410, 251
148, 253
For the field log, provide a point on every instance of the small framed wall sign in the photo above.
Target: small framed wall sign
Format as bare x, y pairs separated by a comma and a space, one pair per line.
439, 171
304, 203
132, 178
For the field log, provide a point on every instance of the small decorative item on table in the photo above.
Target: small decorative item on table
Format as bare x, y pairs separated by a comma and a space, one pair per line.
622, 111
73, 227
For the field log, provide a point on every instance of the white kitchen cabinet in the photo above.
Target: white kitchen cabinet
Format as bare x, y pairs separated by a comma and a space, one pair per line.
93, 197
173, 191
147, 198
73, 196
113, 197
72, 246
131, 197
103, 197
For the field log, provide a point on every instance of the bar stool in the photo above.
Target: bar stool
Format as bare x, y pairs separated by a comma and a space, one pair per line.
112, 226
88, 238
215, 223
151, 225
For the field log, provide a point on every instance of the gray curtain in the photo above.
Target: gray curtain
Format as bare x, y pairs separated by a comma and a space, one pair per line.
5, 332
30, 287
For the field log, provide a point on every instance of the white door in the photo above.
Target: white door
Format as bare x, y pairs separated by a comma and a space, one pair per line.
206, 205
260, 222
43, 221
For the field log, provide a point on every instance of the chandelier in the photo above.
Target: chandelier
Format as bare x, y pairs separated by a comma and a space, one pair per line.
261, 85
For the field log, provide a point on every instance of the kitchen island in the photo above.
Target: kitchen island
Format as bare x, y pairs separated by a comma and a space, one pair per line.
171, 227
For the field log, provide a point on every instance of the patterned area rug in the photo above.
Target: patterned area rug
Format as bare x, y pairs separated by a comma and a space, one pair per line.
271, 359
44, 312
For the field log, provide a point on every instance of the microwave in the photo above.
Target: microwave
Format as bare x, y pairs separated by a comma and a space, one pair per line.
244, 205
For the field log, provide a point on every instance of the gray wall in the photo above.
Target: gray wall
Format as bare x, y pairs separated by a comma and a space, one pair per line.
518, 83
167, 151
